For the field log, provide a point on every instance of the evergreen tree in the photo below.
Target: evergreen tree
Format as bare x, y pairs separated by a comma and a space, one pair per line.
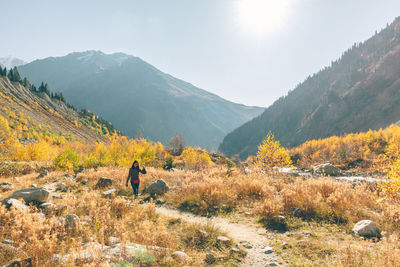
11, 75
26, 82
3, 72
44, 88
17, 77
33, 88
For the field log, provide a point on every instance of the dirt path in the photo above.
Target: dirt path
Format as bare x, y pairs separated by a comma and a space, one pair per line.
256, 257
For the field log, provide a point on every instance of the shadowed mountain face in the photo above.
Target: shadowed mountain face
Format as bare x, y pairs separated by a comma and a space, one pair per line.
360, 91
138, 98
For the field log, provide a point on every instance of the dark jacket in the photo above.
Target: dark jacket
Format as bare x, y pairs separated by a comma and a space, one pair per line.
134, 174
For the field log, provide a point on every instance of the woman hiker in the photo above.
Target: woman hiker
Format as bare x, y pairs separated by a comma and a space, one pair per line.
134, 177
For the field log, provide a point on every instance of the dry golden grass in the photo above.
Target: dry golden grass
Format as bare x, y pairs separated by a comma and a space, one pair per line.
120, 217
323, 207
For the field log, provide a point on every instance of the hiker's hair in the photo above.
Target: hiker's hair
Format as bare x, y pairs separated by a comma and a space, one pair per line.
133, 164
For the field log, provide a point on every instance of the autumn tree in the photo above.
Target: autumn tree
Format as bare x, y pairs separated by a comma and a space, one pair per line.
271, 154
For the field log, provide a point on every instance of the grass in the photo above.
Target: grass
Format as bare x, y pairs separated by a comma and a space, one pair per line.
320, 214
120, 217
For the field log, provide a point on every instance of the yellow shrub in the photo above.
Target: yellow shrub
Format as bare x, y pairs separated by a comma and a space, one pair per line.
271, 154
67, 160
391, 188
196, 159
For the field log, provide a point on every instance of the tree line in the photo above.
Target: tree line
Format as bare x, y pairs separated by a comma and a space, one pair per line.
14, 76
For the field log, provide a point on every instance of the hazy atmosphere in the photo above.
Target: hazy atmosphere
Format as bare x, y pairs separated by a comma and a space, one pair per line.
240, 133
247, 51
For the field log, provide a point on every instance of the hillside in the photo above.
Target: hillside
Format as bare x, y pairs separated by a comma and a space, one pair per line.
140, 99
360, 91
39, 112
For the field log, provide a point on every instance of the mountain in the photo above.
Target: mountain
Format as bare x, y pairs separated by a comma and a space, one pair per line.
41, 112
358, 92
11, 62
140, 99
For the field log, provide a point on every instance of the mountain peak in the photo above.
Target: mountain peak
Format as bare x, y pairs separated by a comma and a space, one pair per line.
11, 62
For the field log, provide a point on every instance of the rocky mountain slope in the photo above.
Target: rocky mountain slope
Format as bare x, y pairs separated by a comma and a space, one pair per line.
140, 99
358, 92
35, 111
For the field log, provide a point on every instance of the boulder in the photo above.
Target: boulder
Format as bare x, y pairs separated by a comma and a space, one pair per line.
72, 223
18, 205
366, 228
104, 182
32, 194
223, 240
6, 186
326, 169
180, 256
84, 181
159, 187
109, 193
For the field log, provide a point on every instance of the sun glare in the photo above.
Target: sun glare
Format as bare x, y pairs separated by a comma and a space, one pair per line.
262, 16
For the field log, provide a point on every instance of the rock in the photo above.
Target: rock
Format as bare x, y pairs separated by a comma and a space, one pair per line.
159, 187
210, 258
8, 247
48, 208
32, 195
43, 172
246, 245
113, 241
63, 187
18, 205
20, 263
235, 250
9, 242
247, 213
84, 181
160, 201
6, 186
223, 240
180, 256
285, 245
280, 218
40, 216
203, 234
268, 250
366, 228
109, 193
272, 264
85, 220
33, 185
104, 182
72, 223
326, 169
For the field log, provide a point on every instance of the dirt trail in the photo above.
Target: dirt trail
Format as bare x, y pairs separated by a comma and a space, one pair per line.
238, 232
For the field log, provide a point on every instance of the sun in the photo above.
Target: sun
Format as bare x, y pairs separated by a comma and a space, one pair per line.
262, 16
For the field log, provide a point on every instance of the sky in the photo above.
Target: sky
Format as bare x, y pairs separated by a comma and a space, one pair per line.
247, 51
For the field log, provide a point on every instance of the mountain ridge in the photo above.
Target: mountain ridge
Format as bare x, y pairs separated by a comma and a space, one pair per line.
139, 98
358, 92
